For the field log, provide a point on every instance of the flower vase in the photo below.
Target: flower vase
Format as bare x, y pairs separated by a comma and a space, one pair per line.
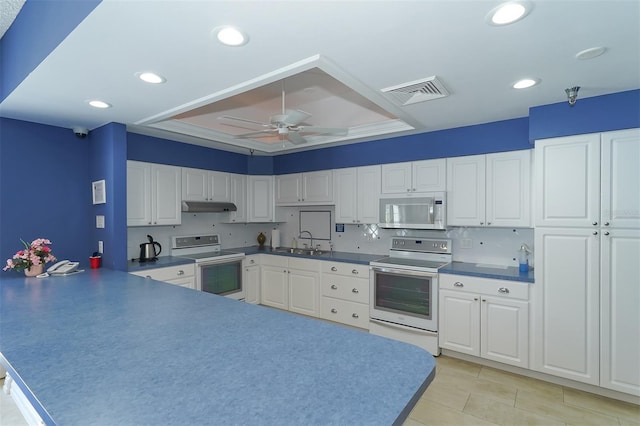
34, 270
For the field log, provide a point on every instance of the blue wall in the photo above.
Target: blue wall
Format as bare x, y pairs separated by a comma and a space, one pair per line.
45, 189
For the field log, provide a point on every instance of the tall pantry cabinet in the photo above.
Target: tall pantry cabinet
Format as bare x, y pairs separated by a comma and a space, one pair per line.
586, 322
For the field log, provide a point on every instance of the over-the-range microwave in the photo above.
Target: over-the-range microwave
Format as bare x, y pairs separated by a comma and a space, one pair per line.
425, 211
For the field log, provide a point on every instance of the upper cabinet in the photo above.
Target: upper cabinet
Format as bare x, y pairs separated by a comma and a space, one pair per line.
416, 176
238, 196
260, 207
205, 185
153, 194
589, 180
489, 190
357, 191
304, 188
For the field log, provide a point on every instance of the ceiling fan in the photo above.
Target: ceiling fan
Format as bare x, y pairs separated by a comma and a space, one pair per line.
286, 125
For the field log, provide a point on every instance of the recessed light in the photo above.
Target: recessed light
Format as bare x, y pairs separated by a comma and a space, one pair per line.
591, 53
150, 77
231, 36
99, 104
525, 83
508, 13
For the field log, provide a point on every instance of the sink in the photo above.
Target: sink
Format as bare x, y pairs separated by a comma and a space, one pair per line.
308, 252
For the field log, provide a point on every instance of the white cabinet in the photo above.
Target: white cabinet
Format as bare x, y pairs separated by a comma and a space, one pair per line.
205, 185
416, 176
357, 194
345, 293
485, 318
238, 196
153, 194
181, 275
304, 188
291, 284
260, 206
251, 279
489, 190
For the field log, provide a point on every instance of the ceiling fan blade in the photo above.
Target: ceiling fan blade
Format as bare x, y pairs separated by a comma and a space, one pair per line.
323, 130
292, 117
242, 123
295, 138
259, 133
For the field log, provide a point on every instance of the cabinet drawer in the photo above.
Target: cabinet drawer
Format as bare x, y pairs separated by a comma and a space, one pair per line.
347, 288
342, 311
271, 260
168, 273
487, 286
347, 269
304, 264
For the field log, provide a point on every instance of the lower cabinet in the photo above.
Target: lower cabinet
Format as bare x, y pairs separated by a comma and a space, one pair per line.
291, 284
181, 275
345, 293
485, 318
251, 279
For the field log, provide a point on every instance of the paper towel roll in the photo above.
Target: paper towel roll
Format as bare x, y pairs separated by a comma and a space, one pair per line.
275, 238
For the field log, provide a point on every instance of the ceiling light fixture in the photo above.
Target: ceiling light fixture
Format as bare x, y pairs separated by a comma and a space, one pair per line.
525, 83
508, 13
572, 94
150, 77
231, 36
591, 53
99, 104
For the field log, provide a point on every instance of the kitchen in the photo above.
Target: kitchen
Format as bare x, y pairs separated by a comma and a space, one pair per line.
115, 143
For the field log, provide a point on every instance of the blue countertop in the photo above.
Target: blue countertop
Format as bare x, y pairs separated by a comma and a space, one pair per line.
472, 269
336, 256
107, 347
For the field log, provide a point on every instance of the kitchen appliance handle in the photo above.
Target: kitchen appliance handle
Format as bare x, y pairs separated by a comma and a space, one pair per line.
230, 259
403, 327
404, 272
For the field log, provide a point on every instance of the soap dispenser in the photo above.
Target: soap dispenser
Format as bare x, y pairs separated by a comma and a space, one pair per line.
523, 258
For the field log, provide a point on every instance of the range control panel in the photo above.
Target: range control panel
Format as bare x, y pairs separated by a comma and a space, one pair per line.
424, 245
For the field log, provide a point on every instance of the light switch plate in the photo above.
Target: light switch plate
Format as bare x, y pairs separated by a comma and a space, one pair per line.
100, 247
99, 221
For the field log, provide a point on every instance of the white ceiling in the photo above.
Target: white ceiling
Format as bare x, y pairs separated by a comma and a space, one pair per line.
335, 58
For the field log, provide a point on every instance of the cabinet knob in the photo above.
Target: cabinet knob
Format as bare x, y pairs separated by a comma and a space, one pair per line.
334, 311
355, 315
488, 223
475, 298
333, 268
355, 290
252, 261
503, 290
606, 224
458, 284
355, 272
606, 232
481, 223
180, 272
408, 189
355, 221
413, 189
484, 300
594, 223
334, 287
595, 232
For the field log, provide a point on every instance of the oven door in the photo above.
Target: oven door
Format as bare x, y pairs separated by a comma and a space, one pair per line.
221, 277
405, 297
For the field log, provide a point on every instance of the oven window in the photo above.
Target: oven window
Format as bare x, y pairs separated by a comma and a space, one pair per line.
403, 294
222, 278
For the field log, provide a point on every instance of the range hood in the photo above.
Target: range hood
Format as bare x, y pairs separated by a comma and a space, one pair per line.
207, 207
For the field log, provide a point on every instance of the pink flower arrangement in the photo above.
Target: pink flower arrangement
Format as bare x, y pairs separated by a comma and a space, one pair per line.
36, 253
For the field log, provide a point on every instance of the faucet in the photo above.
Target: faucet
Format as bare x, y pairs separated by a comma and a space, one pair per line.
310, 236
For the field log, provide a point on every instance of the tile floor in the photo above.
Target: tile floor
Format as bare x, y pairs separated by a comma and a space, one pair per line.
464, 393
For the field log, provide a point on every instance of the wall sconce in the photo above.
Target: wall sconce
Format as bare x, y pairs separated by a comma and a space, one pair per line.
572, 94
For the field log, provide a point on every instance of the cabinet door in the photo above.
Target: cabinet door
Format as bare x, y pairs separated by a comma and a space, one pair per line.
251, 283
317, 187
396, 178
345, 190
260, 202
429, 175
138, 193
219, 188
504, 330
621, 179
304, 292
368, 194
195, 184
289, 189
466, 191
238, 196
508, 189
459, 326
166, 194
274, 289
620, 321
568, 181
567, 291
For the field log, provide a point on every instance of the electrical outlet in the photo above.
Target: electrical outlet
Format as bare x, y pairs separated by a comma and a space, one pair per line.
100, 247
99, 221
466, 243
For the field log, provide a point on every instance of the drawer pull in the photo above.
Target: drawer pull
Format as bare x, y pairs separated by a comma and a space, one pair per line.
458, 284
355, 272
355, 316
334, 311
503, 290
355, 290
333, 268
334, 287
180, 272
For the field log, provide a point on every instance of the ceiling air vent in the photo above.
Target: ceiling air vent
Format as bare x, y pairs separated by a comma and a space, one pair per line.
426, 89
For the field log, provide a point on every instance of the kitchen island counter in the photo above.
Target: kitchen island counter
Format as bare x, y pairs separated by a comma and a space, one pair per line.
107, 347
